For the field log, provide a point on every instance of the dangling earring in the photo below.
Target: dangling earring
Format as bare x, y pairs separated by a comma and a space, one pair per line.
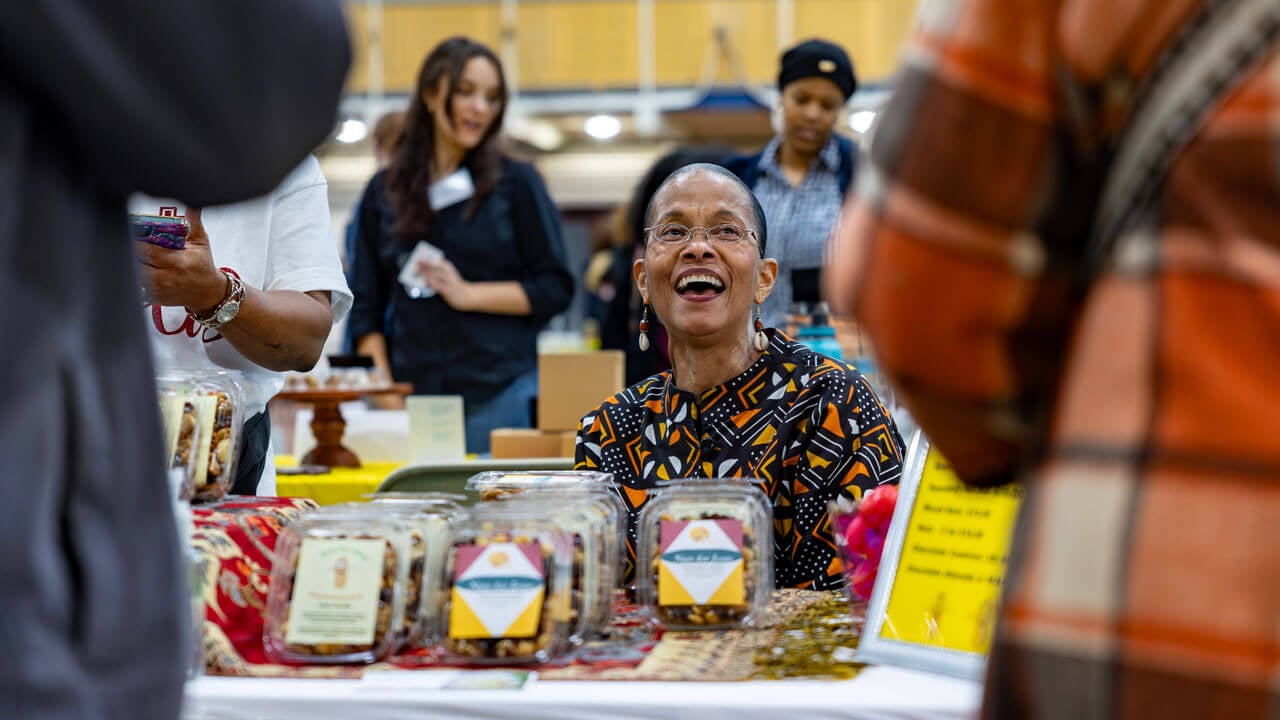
761, 340
644, 329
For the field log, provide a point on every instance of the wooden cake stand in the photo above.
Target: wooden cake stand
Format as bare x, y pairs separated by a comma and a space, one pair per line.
327, 424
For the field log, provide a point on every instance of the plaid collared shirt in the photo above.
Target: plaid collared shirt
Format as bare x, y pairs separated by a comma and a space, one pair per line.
1144, 578
799, 219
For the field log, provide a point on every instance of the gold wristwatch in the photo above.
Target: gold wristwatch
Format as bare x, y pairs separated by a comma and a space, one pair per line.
226, 310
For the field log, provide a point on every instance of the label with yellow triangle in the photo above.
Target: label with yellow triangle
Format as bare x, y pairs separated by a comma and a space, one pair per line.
497, 591
701, 563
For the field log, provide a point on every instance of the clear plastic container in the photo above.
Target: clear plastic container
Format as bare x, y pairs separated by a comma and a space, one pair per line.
213, 400
604, 506
337, 588
591, 520
506, 587
178, 416
705, 557
432, 517
494, 483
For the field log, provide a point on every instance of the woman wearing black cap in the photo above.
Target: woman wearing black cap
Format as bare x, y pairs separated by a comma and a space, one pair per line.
802, 175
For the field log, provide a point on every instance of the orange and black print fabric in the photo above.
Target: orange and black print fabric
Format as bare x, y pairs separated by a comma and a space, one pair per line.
809, 427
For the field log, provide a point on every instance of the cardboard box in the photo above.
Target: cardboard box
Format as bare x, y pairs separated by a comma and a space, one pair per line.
571, 385
527, 443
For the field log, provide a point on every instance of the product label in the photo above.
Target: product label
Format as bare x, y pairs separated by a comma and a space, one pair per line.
335, 592
701, 563
498, 591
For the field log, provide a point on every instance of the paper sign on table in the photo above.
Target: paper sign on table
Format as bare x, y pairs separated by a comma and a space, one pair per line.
437, 430
935, 601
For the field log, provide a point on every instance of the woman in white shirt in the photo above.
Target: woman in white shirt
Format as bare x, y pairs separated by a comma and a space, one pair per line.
257, 289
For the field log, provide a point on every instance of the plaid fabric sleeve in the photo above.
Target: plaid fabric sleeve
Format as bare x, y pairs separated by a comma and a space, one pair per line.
939, 254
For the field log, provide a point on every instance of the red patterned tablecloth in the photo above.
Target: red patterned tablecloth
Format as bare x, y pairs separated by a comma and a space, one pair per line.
237, 537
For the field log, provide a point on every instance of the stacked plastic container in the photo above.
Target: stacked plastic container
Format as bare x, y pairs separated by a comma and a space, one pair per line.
705, 557
202, 413
506, 588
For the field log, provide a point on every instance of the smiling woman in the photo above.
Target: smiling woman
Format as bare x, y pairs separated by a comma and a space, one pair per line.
741, 400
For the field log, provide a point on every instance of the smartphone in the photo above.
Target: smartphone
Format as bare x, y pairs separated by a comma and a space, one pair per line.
162, 230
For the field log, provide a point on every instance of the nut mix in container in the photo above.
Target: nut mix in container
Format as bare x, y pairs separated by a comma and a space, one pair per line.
601, 504
506, 586
337, 590
178, 414
205, 410
706, 550
430, 517
585, 515
494, 483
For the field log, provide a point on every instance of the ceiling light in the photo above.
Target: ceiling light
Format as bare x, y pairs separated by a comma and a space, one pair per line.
352, 131
861, 121
602, 127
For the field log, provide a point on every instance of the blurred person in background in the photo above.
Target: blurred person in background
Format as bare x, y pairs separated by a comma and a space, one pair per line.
256, 289
601, 281
620, 328
503, 272
385, 139
741, 400
802, 175
1114, 350
96, 619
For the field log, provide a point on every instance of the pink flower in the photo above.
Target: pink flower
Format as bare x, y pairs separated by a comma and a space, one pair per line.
863, 538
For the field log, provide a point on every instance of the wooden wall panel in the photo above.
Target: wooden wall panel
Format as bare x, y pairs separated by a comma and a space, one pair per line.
587, 45
592, 44
871, 30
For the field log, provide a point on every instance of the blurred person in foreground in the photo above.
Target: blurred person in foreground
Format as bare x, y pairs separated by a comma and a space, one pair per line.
95, 616
741, 400
1144, 577
501, 272
802, 175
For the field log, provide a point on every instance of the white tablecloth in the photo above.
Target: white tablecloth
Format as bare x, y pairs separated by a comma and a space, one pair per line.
878, 693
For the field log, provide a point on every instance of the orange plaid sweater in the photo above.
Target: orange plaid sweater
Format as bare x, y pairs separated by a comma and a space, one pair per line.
1145, 573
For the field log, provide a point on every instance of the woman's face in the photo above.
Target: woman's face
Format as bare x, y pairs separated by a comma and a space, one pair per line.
810, 107
475, 103
704, 290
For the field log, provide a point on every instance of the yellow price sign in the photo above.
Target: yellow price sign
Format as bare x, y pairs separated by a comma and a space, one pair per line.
935, 601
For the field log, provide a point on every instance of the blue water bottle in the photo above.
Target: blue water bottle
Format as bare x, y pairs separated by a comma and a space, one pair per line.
819, 335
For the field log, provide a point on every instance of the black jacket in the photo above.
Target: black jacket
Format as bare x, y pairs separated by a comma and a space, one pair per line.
514, 235
205, 101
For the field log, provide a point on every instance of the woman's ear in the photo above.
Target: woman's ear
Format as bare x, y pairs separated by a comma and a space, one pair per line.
641, 276
766, 275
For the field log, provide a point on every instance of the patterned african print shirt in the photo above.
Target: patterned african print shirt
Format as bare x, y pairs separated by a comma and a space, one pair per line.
810, 427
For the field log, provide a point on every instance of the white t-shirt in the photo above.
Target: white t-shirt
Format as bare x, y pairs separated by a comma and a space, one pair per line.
281, 241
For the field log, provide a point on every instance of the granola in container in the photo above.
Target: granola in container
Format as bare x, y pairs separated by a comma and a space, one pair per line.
337, 588
506, 586
705, 556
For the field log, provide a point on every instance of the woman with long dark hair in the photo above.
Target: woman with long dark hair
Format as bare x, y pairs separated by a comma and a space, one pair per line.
483, 243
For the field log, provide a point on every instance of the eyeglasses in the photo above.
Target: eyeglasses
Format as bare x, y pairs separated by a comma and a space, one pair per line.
677, 234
